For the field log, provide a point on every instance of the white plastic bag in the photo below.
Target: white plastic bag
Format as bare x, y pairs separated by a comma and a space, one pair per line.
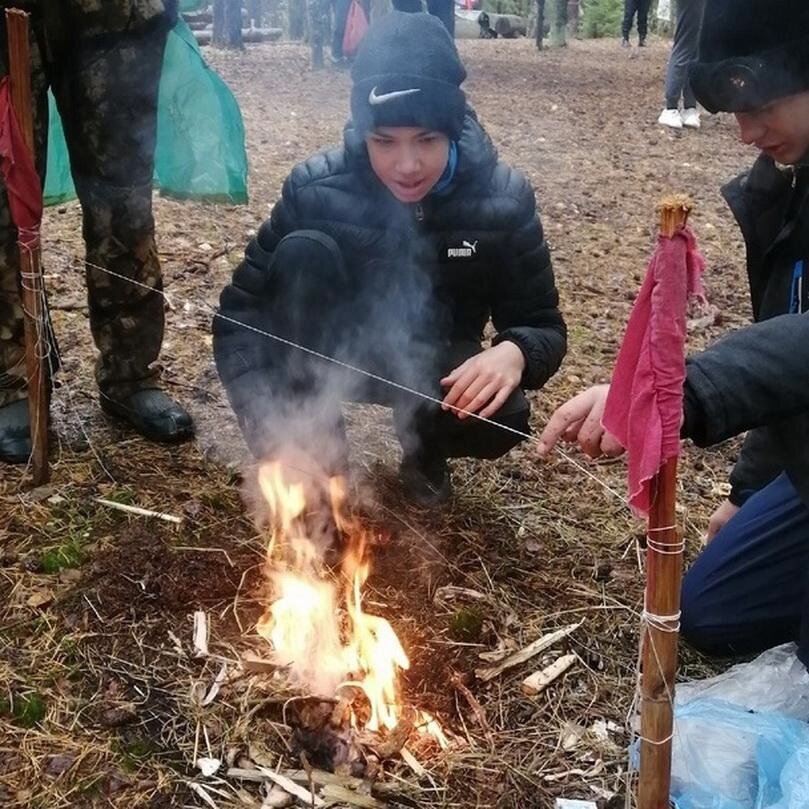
776, 682
664, 11
742, 739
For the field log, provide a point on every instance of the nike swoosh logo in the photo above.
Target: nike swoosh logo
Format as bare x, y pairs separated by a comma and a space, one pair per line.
374, 99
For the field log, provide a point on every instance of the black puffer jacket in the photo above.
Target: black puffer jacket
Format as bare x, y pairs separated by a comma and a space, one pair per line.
757, 378
480, 243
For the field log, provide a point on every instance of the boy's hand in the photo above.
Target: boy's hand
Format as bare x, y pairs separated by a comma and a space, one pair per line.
720, 518
484, 381
580, 420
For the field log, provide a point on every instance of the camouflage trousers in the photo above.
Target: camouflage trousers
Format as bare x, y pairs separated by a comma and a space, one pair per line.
106, 91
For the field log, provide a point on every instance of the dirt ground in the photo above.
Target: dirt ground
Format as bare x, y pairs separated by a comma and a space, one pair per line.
99, 703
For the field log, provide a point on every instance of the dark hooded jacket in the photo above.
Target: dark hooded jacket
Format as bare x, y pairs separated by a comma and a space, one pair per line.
479, 242
757, 378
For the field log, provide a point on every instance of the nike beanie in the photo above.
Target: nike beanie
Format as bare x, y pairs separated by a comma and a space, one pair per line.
408, 73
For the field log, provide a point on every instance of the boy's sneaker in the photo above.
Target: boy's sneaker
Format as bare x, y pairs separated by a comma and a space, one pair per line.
425, 479
691, 118
671, 118
625, 42
641, 42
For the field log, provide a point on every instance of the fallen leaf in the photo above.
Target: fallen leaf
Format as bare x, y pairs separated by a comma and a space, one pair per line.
58, 764
40, 598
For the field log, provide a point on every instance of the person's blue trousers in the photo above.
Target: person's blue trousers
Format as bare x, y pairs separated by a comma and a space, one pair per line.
749, 589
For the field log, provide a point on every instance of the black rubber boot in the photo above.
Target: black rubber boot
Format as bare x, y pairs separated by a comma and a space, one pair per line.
15, 435
426, 480
153, 414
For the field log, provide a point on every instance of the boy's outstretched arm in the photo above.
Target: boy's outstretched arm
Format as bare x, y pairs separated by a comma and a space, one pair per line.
579, 420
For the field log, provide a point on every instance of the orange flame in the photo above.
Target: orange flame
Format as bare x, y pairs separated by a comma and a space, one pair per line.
322, 652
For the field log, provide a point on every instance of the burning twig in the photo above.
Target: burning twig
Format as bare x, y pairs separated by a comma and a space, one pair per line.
320, 632
140, 512
537, 682
532, 650
477, 709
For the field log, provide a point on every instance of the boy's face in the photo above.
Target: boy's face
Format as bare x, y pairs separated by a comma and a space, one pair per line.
408, 160
780, 129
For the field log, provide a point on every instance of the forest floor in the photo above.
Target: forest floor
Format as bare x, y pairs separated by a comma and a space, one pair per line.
100, 700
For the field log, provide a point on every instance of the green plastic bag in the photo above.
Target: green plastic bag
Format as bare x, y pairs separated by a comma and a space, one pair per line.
200, 150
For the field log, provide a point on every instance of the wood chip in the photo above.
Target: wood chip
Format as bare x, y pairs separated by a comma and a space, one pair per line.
450, 592
321, 778
216, 685
200, 634
246, 775
258, 665
138, 511
208, 766
277, 798
412, 762
292, 788
202, 794
537, 682
525, 654
336, 793
40, 598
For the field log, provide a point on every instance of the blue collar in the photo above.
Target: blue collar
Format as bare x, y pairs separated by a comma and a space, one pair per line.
448, 176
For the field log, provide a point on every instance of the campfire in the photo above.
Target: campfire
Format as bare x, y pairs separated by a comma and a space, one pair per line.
345, 661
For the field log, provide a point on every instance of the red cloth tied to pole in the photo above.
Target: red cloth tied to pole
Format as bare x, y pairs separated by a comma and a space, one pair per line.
21, 178
645, 403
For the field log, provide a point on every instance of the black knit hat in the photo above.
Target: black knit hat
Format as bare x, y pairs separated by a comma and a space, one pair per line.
408, 73
751, 52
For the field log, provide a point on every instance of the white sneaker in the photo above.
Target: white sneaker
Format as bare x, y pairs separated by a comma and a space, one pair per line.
691, 118
671, 118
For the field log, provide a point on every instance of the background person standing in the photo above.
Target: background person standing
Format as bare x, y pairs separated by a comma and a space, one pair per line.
683, 52
443, 9
631, 9
103, 64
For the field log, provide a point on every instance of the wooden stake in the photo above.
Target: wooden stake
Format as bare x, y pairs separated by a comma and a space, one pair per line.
664, 572
36, 341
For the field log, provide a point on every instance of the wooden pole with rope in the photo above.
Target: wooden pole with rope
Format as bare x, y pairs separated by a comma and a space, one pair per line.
36, 341
664, 573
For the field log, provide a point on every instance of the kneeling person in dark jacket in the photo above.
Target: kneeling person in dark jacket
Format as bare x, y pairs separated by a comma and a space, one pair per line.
391, 254
749, 589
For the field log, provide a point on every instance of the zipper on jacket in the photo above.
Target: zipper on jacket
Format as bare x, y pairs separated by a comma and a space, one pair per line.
418, 212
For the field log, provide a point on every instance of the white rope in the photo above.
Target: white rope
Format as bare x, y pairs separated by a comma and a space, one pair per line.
363, 372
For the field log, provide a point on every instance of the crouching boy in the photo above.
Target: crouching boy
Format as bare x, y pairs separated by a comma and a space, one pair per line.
390, 254
749, 589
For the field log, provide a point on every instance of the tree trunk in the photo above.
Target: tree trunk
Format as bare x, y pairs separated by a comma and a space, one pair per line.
227, 24
559, 29
272, 13
540, 23
297, 19
318, 30
573, 13
255, 13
